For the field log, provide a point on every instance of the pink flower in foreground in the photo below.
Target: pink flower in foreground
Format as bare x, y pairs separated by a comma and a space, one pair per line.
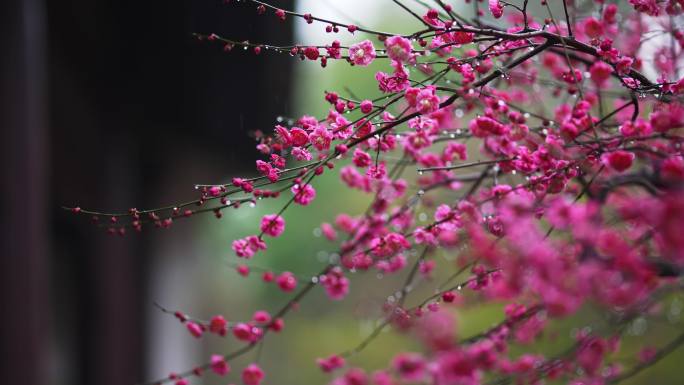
398, 48
252, 375
495, 8
423, 99
247, 332
195, 329
247, 247
410, 366
331, 363
593, 28
600, 72
219, 365
286, 281
242, 248
366, 106
303, 195
321, 138
298, 137
328, 231
336, 284
618, 160
218, 325
301, 154
362, 54
272, 225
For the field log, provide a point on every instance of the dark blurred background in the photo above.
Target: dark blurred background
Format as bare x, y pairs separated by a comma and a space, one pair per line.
106, 104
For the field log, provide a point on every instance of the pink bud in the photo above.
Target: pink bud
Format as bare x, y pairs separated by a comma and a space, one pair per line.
618, 160
194, 329
286, 281
366, 106
219, 365
243, 270
252, 375
218, 325
261, 316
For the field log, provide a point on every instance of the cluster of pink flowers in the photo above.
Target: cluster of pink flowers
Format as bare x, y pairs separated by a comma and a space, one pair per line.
536, 153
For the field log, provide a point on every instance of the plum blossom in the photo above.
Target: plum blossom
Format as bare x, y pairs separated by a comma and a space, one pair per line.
362, 54
618, 160
321, 138
219, 365
303, 195
286, 281
272, 225
398, 48
252, 375
423, 99
496, 8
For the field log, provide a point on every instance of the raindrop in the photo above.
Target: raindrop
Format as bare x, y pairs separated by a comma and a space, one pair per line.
322, 256
638, 326
334, 258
